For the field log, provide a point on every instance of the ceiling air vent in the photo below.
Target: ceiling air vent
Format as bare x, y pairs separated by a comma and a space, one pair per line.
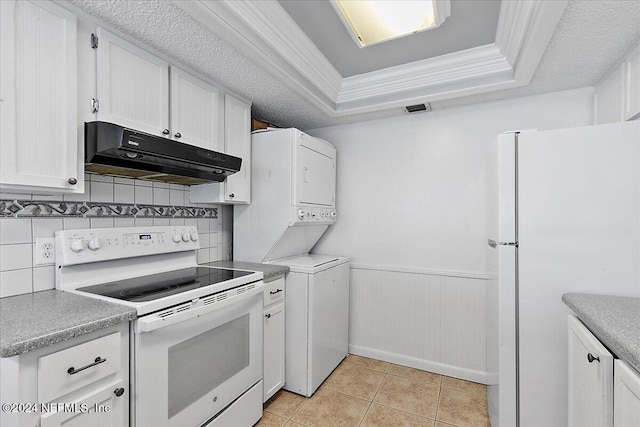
417, 108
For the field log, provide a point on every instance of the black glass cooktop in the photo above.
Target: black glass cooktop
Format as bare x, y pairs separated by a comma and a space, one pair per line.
154, 286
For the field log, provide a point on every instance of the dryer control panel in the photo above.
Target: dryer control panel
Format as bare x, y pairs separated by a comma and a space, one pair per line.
312, 215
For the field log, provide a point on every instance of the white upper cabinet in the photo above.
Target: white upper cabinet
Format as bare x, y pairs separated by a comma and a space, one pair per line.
38, 123
617, 98
237, 142
632, 72
236, 189
136, 89
608, 98
195, 111
132, 86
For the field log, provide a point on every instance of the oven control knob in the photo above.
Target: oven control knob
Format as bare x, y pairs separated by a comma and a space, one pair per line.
185, 237
194, 237
177, 238
301, 213
333, 214
77, 245
94, 244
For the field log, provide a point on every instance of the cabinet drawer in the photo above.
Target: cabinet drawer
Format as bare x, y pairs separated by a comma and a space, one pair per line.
62, 372
274, 292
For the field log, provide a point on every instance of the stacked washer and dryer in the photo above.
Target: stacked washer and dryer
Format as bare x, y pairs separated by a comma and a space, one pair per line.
293, 204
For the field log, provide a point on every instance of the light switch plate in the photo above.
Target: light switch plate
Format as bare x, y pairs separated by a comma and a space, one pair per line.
45, 251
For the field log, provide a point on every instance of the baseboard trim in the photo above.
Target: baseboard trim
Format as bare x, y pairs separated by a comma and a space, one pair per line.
426, 365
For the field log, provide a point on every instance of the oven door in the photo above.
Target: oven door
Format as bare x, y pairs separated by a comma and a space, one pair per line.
191, 364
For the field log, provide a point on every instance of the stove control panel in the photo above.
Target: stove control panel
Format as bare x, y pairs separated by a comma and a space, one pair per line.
102, 244
312, 215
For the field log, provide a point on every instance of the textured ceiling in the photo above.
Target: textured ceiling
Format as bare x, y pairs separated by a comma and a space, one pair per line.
592, 37
472, 23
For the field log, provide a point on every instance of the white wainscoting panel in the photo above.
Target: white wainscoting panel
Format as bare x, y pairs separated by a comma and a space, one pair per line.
427, 320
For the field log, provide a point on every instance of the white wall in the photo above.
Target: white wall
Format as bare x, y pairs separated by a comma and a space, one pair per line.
410, 201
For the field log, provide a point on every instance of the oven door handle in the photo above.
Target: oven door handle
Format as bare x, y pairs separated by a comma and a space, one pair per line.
161, 319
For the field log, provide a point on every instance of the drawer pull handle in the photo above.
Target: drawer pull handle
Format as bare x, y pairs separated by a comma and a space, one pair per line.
268, 316
590, 358
118, 392
275, 292
73, 370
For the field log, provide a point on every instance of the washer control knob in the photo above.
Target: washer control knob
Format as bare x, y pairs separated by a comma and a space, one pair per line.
77, 245
176, 238
194, 237
185, 237
333, 214
301, 213
94, 244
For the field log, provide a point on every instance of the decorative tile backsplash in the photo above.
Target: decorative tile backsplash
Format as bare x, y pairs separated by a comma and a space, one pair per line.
108, 202
43, 208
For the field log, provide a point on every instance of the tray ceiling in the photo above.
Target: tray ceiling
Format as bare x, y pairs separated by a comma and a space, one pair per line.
259, 51
472, 23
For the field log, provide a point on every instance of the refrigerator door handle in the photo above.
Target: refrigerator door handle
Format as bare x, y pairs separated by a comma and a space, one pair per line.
495, 244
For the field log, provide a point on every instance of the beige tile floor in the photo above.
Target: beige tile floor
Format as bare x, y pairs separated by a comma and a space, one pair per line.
371, 393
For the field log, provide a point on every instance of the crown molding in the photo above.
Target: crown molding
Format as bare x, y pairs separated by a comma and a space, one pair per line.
524, 31
266, 34
431, 77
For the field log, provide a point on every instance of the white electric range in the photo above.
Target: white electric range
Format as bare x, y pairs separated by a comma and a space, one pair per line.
196, 346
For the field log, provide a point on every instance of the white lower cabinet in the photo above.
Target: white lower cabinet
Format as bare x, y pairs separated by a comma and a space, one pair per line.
590, 378
274, 348
80, 382
98, 407
626, 396
602, 391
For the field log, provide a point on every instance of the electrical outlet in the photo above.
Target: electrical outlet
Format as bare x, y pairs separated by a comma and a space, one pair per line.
45, 251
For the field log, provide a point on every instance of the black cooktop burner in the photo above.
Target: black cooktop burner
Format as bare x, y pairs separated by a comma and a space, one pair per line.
155, 286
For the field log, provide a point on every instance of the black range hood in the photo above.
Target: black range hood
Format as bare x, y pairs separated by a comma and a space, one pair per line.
115, 150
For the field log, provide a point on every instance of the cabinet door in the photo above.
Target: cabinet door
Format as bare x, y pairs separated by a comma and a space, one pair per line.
632, 74
38, 131
590, 378
100, 407
237, 142
626, 395
132, 86
195, 111
608, 99
273, 350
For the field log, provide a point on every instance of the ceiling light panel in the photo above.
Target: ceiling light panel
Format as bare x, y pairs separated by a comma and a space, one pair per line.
375, 21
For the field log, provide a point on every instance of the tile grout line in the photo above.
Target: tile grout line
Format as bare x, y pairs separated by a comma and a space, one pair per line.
438, 402
374, 396
306, 399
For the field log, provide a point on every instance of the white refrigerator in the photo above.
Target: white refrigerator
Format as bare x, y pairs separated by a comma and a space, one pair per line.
563, 215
